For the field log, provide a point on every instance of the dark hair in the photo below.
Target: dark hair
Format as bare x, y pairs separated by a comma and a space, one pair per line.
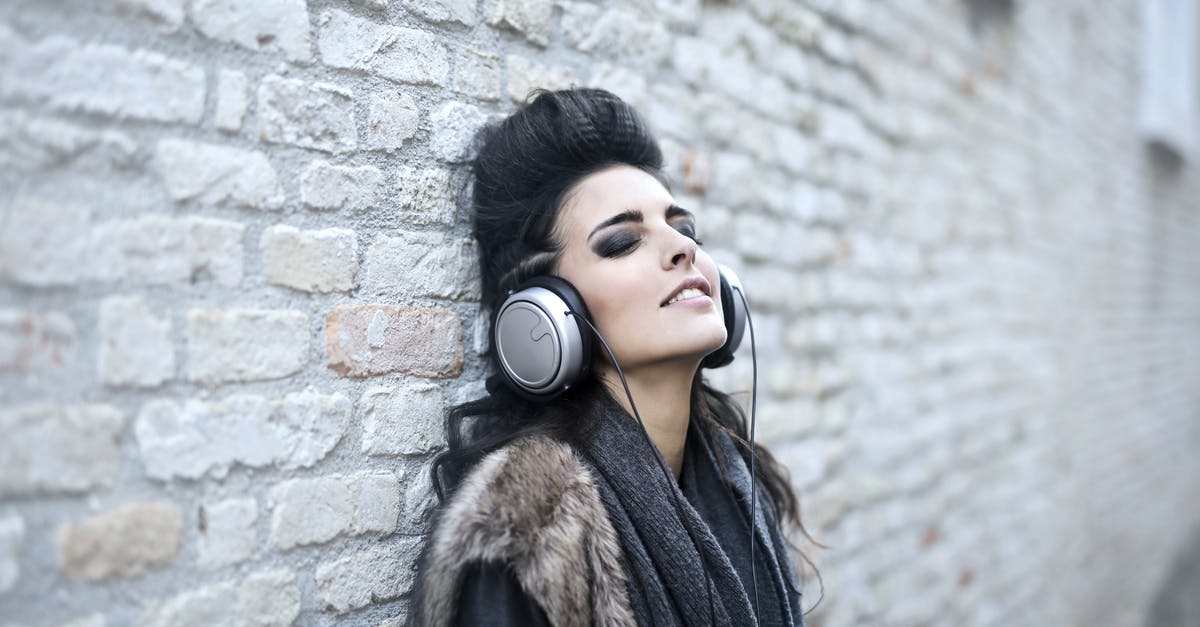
526, 167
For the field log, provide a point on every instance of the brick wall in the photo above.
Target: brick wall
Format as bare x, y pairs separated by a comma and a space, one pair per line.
237, 290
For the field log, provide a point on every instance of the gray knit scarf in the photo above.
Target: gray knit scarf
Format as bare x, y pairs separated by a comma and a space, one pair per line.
666, 573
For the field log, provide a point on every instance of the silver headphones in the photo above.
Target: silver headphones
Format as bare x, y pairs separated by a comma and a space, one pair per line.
543, 350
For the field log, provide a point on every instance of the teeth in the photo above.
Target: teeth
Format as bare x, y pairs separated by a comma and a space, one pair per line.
690, 292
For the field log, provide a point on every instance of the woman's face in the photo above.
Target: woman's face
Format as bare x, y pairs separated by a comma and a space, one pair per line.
628, 249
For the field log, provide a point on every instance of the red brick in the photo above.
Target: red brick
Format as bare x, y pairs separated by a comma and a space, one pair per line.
374, 339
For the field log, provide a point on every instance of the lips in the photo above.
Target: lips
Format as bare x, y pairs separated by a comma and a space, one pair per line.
699, 283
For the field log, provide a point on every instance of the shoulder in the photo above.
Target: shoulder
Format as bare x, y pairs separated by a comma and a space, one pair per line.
535, 506
527, 488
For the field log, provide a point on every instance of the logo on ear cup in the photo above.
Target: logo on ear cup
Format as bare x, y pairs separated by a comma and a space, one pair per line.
539, 330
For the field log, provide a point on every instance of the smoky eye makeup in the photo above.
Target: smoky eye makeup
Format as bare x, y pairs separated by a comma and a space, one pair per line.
622, 241
688, 228
615, 244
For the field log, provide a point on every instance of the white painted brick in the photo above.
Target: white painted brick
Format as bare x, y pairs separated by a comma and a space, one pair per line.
264, 25
195, 438
454, 126
460, 11
264, 599
227, 535
327, 186
402, 420
725, 120
579, 19
841, 127
152, 248
392, 118
629, 34
91, 620
479, 334
245, 344
101, 78
217, 175
629, 86
216, 250
41, 242
404, 55
426, 195
309, 115
59, 448
12, 538
35, 341
792, 149
415, 264
734, 31
793, 65
420, 502
125, 541
378, 502
681, 12
730, 170
312, 511
37, 144
760, 237
231, 100
787, 420
168, 12
531, 18
477, 73
672, 112
311, 261
158, 249
136, 347
697, 61
381, 572
525, 75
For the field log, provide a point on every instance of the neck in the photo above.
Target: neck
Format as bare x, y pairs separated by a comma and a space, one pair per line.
663, 393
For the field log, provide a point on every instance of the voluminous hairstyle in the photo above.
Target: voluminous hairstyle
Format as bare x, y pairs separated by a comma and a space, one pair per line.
526, 167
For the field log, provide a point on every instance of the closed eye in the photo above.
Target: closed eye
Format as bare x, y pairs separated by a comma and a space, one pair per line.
689, 230
616, 244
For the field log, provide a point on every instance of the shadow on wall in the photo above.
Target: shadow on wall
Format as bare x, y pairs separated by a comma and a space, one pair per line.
1177, 603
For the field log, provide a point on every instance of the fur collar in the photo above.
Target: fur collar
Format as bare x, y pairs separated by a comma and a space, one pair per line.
534, 505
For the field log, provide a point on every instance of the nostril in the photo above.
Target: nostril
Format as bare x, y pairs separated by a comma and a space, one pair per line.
677, 258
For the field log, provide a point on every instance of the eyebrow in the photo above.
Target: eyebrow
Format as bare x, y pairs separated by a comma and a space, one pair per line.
635, 215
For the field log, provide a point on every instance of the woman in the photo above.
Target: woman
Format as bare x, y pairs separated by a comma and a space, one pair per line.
558, 508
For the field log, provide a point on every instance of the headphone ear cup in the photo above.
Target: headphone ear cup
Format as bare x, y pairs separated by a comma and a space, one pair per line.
541, 349
733, 308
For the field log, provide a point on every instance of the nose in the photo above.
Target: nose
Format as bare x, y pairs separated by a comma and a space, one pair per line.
682, 248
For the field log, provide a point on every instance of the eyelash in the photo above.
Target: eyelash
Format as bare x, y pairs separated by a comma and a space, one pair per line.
620, 244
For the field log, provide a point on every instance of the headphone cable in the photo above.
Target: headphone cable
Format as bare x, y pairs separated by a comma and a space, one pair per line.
753, 479
662, 464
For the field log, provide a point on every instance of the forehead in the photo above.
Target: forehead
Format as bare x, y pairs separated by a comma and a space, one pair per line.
612, 190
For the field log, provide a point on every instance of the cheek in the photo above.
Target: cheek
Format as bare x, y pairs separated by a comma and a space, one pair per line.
617, 299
